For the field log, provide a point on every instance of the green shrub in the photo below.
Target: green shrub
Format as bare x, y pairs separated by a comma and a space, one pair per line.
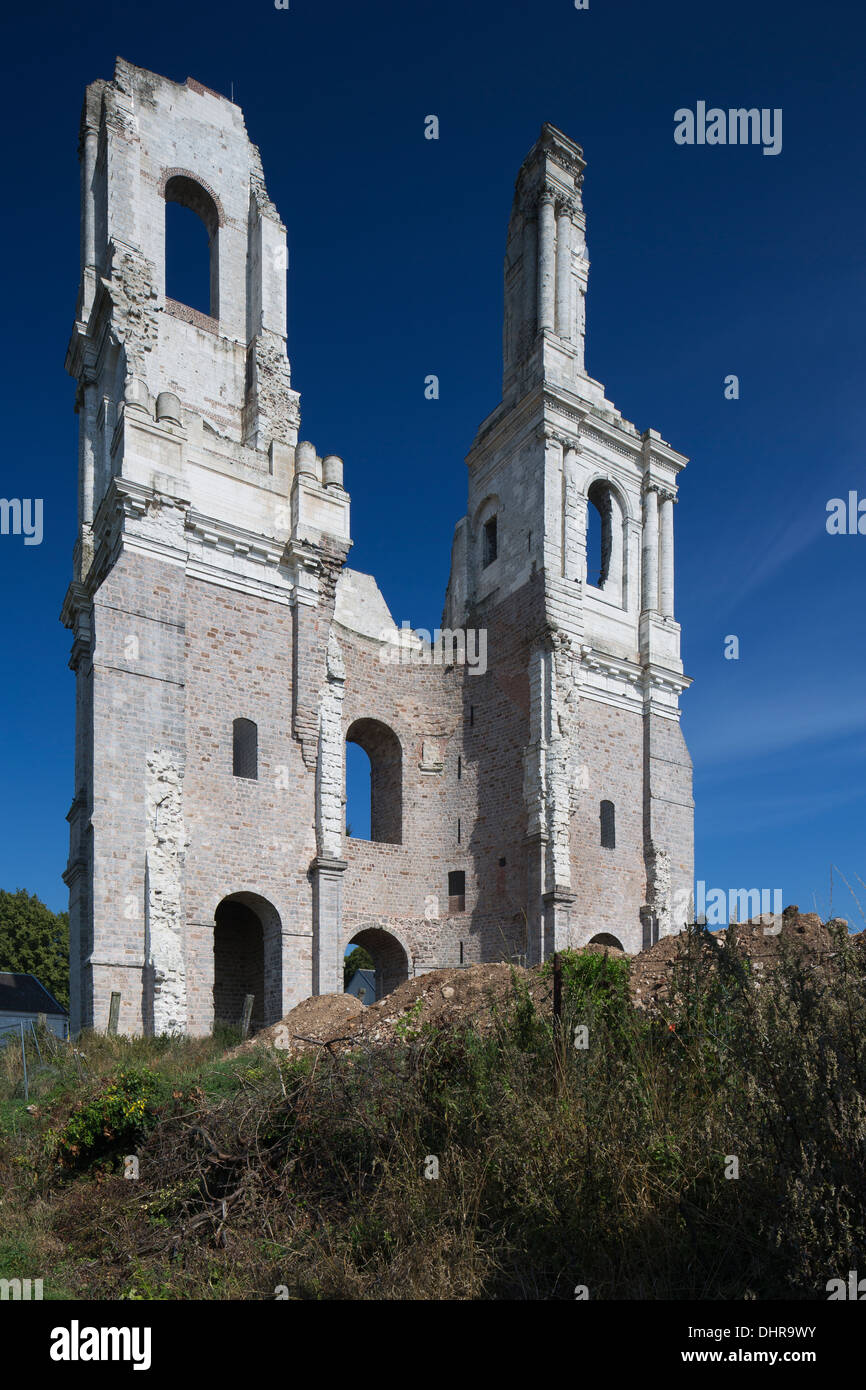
109, 1123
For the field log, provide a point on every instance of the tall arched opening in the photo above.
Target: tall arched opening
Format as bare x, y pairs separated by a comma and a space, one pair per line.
382, 747
192, 223
390, 961
247, 947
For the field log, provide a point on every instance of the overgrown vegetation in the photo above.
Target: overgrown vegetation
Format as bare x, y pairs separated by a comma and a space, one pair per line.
262, 1171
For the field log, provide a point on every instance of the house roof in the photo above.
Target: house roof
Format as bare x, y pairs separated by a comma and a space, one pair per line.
23, 994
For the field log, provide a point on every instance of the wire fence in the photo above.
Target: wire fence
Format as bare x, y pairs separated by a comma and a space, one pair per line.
44, 1045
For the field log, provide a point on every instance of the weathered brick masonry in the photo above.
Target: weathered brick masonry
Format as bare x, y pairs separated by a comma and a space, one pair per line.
527, 795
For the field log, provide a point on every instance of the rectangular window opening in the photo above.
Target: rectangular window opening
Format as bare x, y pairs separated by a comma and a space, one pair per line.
457, 891
491, 542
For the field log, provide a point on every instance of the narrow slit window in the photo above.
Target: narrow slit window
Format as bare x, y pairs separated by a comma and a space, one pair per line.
607, 816
245, 749
490, 542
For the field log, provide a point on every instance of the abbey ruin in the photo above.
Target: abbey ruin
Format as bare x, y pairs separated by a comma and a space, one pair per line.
225, 654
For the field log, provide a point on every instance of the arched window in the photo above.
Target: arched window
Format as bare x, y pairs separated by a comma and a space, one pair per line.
382, 747
607, 817
245, 749
598, 534
192, 221
359, 792
605, 525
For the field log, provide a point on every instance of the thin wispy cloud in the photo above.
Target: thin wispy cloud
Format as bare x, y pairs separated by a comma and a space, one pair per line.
789, 542
781, 719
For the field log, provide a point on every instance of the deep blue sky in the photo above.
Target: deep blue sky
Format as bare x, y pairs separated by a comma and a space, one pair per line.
704, 261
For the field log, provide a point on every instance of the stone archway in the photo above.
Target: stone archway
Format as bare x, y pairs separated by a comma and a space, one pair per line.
605, 938
385, 754
390, 958
247, 945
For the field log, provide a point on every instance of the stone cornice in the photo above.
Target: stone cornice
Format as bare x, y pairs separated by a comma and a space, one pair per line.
657, 451
641, 678
234, 540
660, 678
554, 144
604, 664
77, 615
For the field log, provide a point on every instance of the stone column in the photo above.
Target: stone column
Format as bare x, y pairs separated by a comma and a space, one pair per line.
666, 563
546, 259
88, 166
327, 924
563, 272
650, 551
558, 903
86, 403
574, 520
536, 854
530, 284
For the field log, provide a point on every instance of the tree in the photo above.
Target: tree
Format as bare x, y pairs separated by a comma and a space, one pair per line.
34, 940
359, 959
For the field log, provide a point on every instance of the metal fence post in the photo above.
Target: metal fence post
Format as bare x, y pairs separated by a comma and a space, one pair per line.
24, 1063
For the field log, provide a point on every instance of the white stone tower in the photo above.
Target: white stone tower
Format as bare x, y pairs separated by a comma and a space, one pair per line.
196, 503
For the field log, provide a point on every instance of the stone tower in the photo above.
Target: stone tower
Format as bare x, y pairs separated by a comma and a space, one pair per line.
199, 520
225, 655
605, 783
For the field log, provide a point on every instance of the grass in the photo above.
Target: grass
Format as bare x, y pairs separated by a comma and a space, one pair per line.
265, 1171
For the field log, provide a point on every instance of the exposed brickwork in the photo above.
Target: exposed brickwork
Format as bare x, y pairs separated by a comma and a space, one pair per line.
210, 585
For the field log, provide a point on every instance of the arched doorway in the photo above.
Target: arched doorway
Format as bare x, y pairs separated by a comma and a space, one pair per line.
604, 938
247, 948
390, 961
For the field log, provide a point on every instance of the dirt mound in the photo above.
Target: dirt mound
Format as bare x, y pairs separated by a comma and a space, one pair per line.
762, 939
310, 1023
470, 995
466, 995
